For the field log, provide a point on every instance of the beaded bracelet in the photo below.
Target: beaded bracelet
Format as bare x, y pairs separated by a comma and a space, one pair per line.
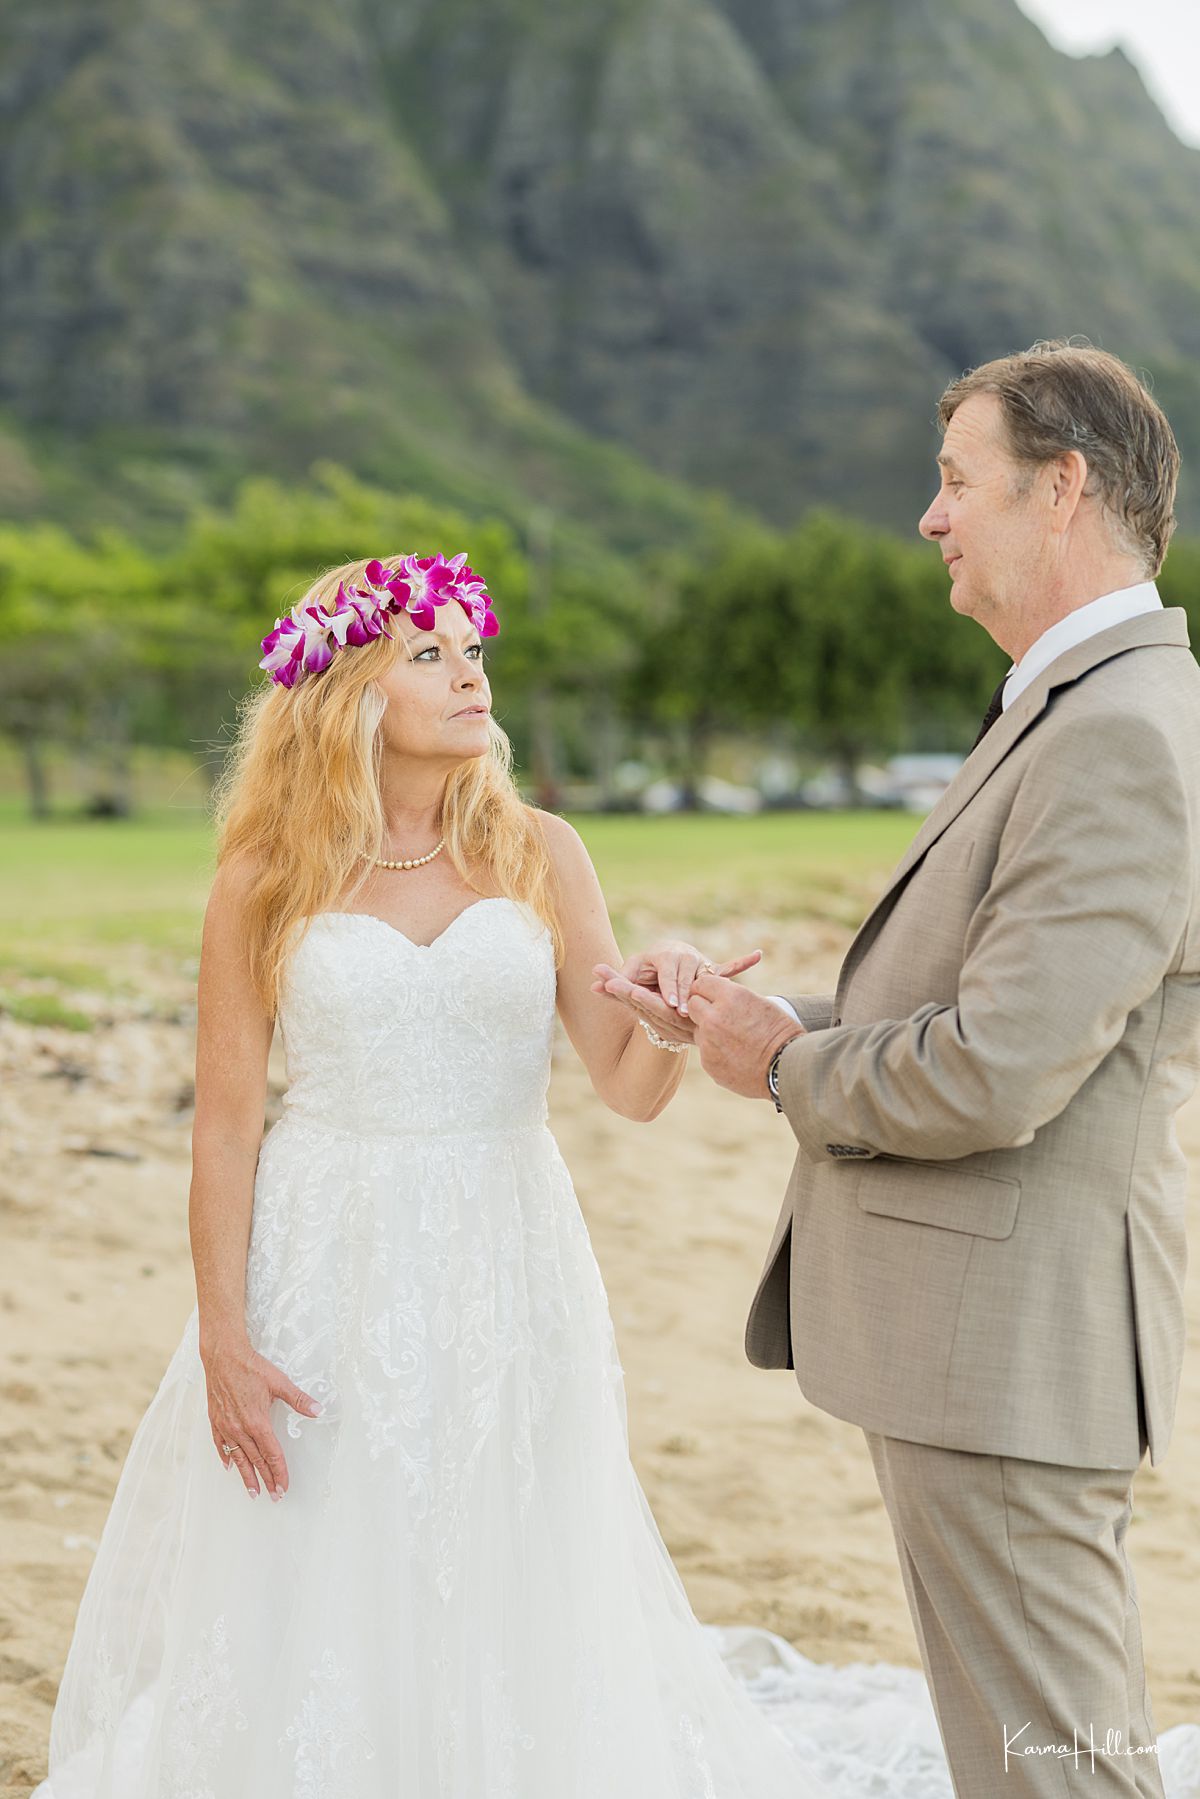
661, 1042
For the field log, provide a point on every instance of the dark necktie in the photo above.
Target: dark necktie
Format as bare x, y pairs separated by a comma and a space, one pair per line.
992, 714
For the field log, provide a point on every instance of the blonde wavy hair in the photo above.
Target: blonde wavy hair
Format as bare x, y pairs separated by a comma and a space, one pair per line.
298, 802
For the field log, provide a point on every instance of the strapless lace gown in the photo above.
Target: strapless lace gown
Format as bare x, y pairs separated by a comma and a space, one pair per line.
463, 1595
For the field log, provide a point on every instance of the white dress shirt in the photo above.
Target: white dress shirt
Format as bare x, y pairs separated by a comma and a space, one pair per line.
1064, 634
1077, 627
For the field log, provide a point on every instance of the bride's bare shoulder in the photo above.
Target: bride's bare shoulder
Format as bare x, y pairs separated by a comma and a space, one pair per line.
580, 902
568, 851
223, 961
560, 833
234, 881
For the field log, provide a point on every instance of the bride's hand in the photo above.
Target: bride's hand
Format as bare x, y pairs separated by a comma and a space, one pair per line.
241, 1386
668, 969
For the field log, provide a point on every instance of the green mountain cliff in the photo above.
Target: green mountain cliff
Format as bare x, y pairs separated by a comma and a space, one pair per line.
595, 258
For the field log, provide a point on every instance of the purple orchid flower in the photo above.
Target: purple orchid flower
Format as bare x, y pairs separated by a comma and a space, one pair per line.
305, 641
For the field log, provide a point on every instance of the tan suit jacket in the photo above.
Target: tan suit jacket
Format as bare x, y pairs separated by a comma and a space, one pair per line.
982, 1245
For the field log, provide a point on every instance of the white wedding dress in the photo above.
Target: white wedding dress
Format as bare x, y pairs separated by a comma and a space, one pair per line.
463, 1594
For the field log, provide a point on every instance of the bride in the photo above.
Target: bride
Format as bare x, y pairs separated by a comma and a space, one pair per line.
455, 1588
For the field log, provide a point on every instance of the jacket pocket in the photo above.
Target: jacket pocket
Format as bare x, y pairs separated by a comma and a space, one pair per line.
953, 1199
948, 854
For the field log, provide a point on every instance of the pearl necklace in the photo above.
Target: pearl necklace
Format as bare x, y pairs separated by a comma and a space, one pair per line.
406, 861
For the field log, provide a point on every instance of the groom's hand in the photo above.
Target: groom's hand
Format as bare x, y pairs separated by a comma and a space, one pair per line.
737, 1032
657, 983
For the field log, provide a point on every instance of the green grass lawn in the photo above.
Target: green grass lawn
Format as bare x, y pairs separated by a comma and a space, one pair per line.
638, 856
76, 895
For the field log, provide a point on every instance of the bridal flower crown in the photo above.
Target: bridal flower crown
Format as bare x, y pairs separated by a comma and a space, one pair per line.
304, 642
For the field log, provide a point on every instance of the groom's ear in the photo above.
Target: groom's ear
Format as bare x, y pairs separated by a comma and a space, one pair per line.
1068, 481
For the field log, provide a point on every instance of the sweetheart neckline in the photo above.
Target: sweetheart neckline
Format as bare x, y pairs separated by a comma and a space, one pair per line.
491, 900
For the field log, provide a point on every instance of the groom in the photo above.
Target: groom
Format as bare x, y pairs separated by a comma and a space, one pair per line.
980, 1258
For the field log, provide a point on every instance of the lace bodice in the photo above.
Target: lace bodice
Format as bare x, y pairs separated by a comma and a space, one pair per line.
413, 1039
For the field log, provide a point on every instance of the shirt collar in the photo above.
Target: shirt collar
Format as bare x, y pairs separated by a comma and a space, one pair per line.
1077, 627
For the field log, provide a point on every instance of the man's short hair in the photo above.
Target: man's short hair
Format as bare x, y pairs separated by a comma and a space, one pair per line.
1062, 395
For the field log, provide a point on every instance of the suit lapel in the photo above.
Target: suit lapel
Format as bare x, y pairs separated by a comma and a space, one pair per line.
1165, 626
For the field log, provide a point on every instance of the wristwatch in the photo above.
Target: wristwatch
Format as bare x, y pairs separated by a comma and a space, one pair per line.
773, 1072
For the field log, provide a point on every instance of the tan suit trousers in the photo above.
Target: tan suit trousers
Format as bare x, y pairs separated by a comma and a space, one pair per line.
1026, 1616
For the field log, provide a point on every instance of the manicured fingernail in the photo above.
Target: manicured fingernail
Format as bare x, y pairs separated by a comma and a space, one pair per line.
253, 1492
674, 999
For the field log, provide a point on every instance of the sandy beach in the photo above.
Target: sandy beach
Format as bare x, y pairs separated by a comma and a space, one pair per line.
768, 1505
